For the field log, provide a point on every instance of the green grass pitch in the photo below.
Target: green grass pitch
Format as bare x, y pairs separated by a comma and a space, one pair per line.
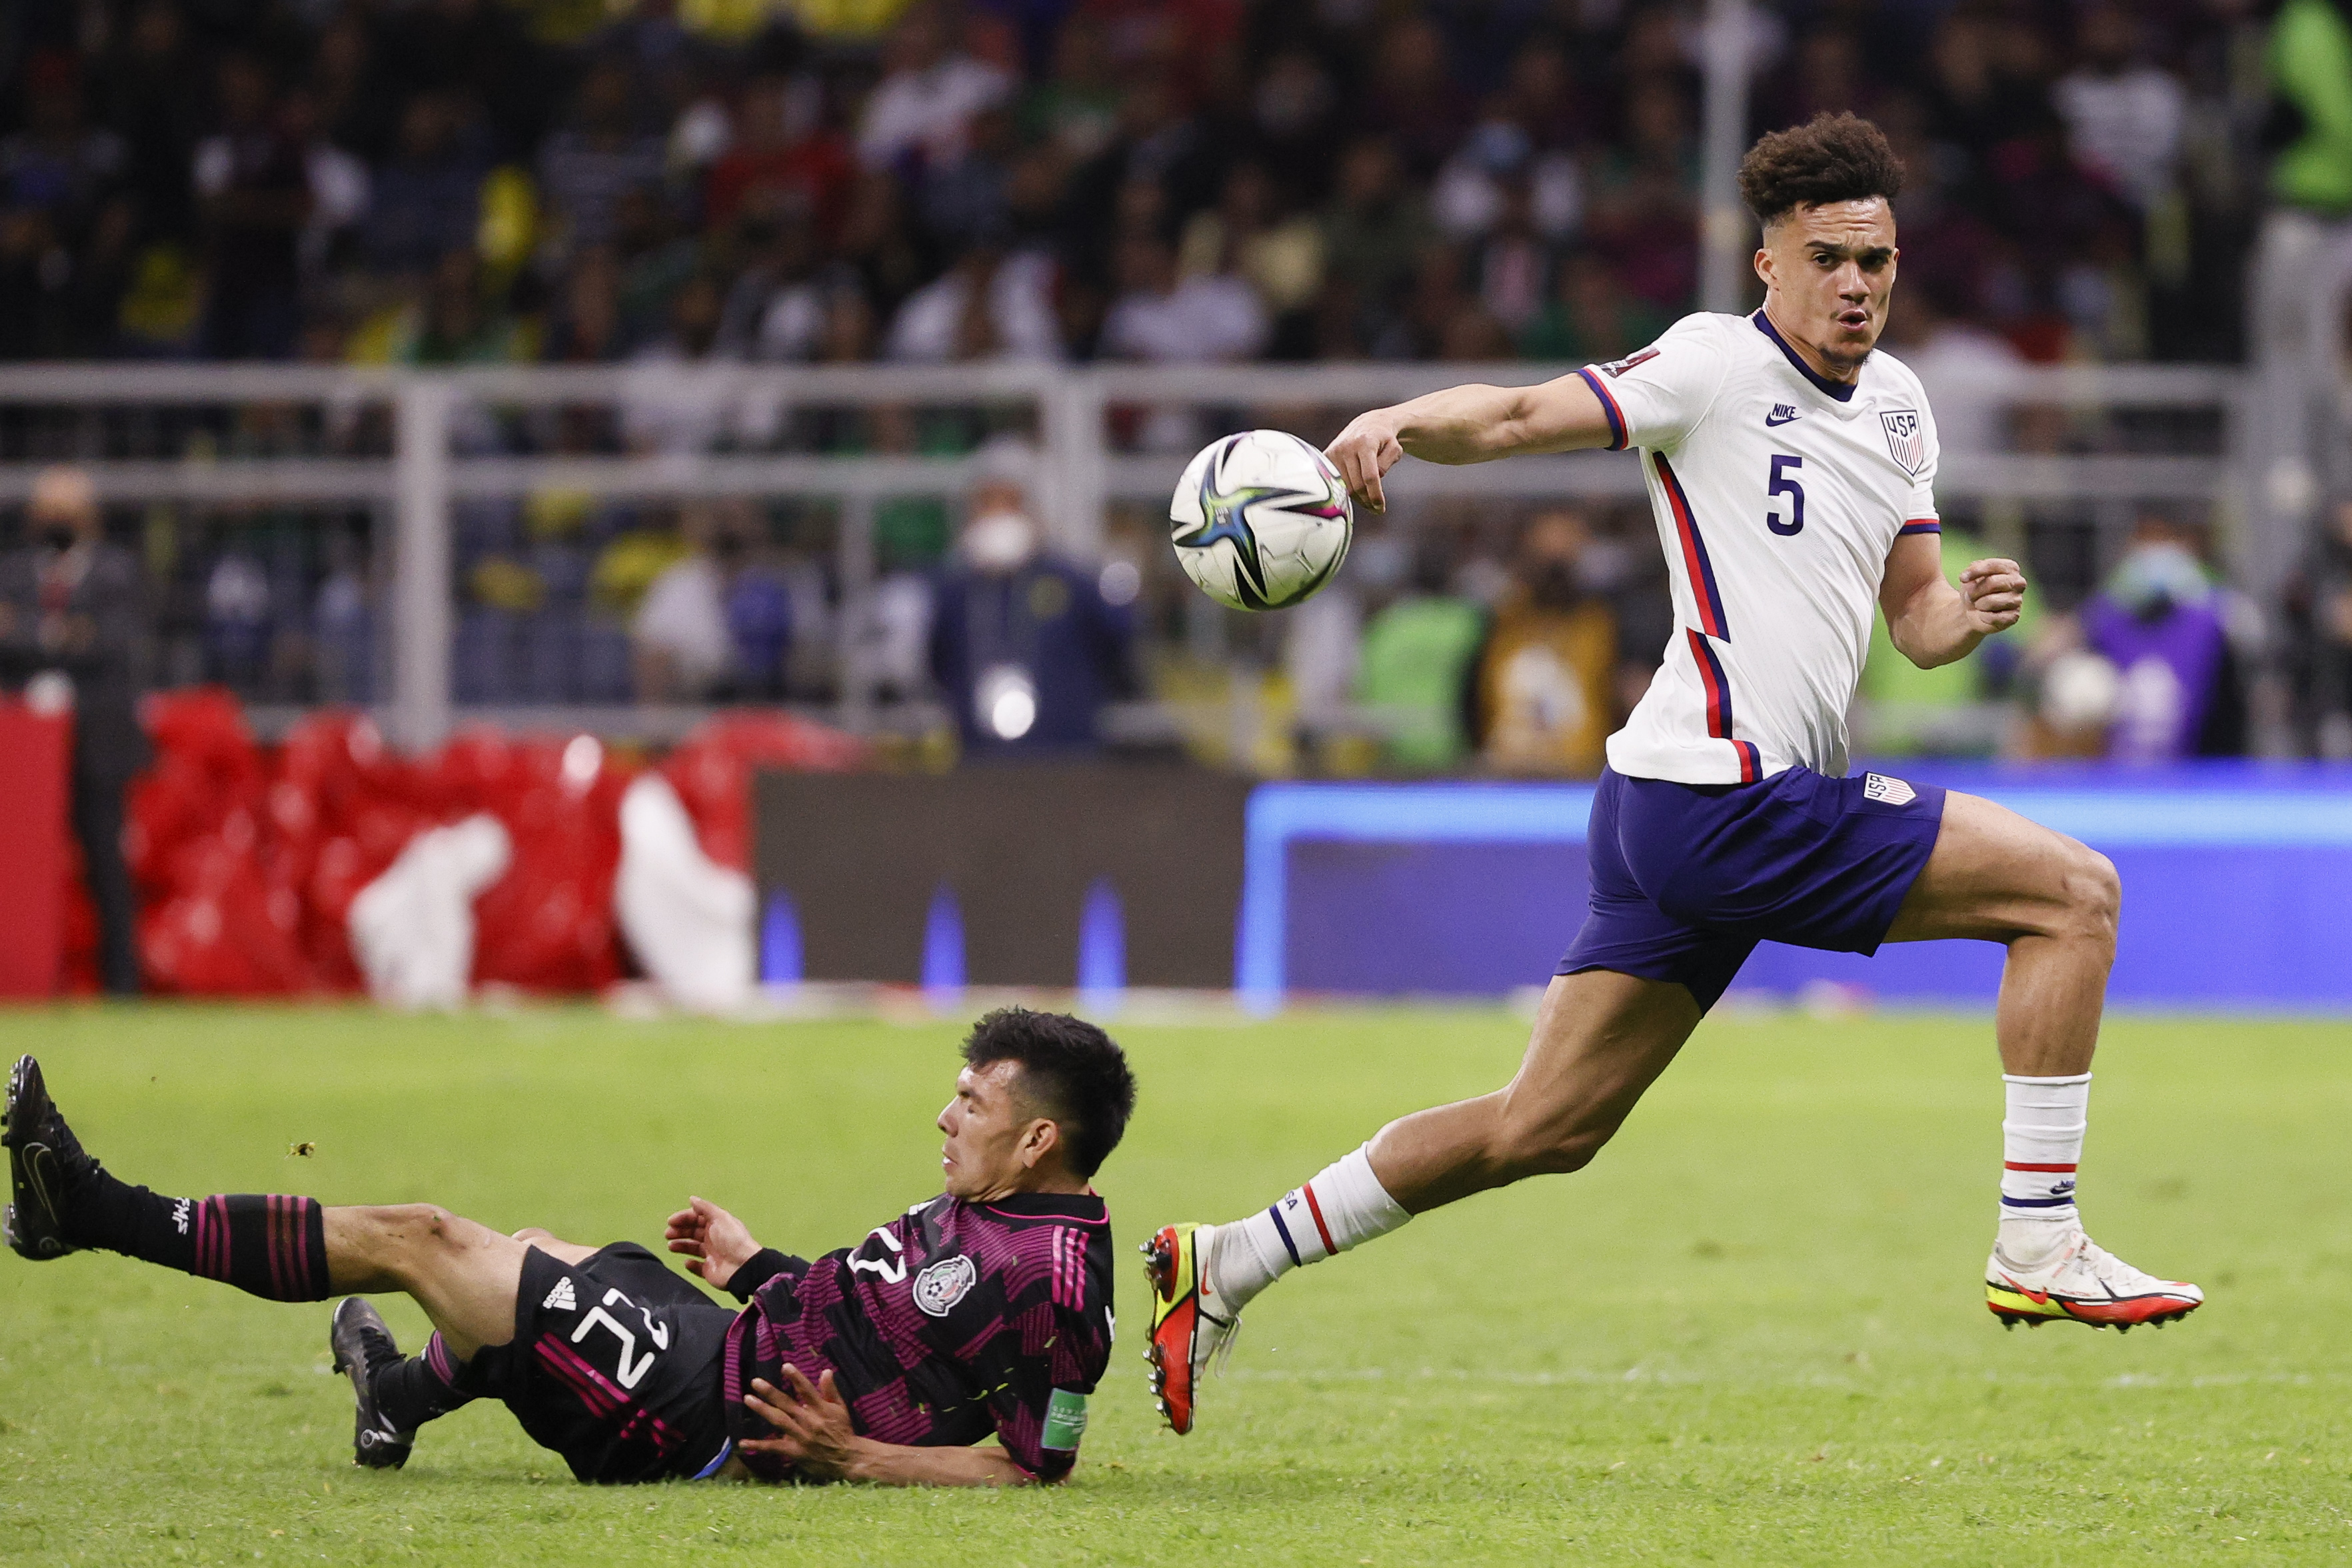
1751, 1333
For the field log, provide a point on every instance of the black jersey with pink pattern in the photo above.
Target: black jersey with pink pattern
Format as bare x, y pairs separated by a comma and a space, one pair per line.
953, 1320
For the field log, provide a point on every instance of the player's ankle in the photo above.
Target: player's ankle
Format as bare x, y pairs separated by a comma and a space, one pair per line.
2028, 1242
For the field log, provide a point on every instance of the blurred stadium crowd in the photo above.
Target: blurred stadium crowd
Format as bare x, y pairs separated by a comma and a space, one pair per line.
468, 181
679, 182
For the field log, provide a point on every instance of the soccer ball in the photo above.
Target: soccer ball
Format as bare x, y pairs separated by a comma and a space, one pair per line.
1262, 519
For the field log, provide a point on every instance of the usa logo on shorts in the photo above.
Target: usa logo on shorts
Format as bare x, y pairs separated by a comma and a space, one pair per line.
944, 1283
1905, 438
1887, 792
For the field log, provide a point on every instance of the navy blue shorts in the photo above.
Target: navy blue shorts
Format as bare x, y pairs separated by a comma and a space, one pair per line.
1687, 878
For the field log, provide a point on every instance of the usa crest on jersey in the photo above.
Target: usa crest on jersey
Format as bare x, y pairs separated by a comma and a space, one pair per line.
1906, 439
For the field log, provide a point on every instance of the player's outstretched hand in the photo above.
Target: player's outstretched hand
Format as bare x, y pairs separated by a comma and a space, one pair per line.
811, 1424
1367, 449
1994, 593
714, 1242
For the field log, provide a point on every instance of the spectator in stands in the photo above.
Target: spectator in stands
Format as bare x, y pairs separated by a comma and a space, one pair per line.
1590, 319
153, 90
586, 169
784, 166
989, 306
427, 200
1373, 233
1025, 646
2123, 115
74, 604
2319, 608
680, 647
1279, 255
2158, 619
1160, 317
1546, 678
254, 185
918, 116
1415, 666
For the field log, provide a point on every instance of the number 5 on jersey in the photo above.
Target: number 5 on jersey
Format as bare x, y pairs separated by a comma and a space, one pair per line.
1784, 483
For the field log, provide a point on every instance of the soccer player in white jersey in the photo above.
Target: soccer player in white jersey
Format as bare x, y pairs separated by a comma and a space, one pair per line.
1792, 469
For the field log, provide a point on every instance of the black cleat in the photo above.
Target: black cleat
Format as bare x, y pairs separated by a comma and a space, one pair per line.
361, 1343
44, 1160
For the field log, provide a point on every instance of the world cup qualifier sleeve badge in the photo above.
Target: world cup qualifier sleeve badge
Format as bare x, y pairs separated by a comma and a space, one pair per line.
1906, 438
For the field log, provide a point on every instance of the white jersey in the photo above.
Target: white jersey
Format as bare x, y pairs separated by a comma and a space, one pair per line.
1778, 495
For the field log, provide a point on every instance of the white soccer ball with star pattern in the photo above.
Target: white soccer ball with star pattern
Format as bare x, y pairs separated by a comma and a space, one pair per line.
1262, 519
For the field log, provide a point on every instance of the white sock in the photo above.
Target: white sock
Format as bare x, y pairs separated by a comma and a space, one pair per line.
2041, 1143
1345, 1206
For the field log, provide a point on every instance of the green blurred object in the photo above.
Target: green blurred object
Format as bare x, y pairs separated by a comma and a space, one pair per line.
1415, 661
1916, 711
2311, 81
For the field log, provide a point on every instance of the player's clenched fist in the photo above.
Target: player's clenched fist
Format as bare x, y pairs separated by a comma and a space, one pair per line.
1994, 592
1367, 449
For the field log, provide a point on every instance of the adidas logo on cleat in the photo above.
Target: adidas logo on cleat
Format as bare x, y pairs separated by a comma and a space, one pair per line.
561, 1298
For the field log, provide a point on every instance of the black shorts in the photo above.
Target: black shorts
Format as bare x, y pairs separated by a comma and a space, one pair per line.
615, 1365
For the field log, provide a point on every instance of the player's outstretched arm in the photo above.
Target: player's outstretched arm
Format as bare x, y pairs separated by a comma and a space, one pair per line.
1932, 620
1471, 424
813, 1431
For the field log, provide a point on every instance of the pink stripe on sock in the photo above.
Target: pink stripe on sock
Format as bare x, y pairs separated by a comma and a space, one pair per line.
274, 1209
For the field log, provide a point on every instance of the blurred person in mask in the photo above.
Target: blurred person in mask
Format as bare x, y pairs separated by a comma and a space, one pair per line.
2160, 620
72, 605
1025, 645
1546, 678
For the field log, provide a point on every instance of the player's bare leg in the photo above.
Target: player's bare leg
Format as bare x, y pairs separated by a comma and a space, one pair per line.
1600, 1040
548, 1242
285, 1248
464, 1274
1995, 876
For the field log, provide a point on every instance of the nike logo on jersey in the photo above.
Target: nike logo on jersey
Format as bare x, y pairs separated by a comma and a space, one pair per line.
1781, 415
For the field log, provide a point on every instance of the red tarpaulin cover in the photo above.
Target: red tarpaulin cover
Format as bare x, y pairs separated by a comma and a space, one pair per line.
35, 849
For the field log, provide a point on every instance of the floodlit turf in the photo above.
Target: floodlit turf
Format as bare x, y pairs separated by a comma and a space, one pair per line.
1753, 1333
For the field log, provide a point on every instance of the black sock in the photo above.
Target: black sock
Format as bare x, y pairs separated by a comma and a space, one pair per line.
272, 1245
415, 1389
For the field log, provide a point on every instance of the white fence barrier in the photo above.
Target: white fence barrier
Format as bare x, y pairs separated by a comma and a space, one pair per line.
430, 463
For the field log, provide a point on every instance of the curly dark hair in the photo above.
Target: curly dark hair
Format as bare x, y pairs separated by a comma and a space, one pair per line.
1830, 158
1073, 1072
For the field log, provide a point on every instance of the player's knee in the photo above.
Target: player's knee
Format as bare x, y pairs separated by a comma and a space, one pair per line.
421, 1227
2093, 895
532, 1233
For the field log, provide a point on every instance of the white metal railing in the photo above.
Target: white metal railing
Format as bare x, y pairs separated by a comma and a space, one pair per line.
427, 469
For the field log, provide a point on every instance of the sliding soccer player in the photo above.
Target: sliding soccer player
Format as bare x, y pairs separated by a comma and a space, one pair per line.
1791, 471
984, 1310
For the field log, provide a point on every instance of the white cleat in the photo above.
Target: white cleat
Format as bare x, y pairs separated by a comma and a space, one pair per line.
2082, 1282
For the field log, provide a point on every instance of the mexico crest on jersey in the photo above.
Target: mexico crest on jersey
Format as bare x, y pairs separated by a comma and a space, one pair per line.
944, 1283
1906, 439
